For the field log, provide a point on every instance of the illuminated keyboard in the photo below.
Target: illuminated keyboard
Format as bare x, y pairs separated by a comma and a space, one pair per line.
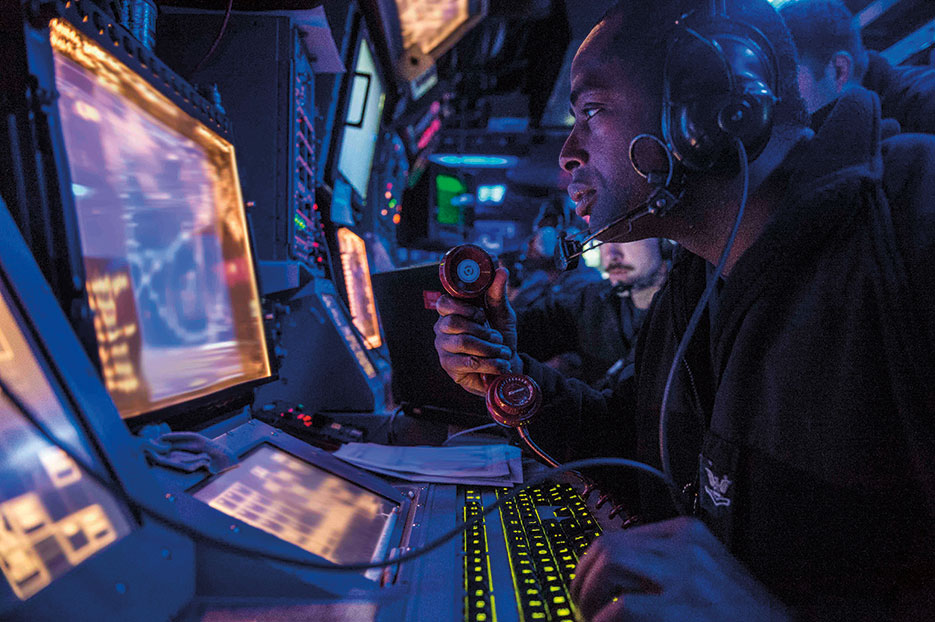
545, 529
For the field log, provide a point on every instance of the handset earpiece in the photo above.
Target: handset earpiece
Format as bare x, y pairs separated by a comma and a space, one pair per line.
466, 272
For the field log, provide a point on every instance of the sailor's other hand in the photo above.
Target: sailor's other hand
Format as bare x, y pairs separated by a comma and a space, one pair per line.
673, 570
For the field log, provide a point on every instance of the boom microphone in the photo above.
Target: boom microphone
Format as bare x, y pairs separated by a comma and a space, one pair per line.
666, 193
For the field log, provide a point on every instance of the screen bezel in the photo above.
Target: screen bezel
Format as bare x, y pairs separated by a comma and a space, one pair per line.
66, 267
243, 439
119, 515
100, 431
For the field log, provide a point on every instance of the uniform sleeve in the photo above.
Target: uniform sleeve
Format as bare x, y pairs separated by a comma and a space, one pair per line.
549, 326
578, 422
909, 183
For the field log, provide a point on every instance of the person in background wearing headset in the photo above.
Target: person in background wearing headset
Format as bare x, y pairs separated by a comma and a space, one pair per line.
832, 58
590, 333
799, 419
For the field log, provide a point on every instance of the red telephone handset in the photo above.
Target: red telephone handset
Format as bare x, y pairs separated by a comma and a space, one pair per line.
466, 272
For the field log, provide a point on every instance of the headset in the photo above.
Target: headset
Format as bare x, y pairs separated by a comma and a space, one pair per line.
719, 85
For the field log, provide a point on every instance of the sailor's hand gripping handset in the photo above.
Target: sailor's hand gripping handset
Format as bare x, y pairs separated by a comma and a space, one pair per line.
466, 272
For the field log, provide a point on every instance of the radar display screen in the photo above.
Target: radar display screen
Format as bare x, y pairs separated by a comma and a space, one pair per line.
163, 234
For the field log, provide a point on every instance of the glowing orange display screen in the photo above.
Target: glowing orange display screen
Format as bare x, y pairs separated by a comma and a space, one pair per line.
359, 287
168, 267
427, 23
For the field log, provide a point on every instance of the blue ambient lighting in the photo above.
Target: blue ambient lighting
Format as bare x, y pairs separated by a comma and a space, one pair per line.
491, 194
473, 161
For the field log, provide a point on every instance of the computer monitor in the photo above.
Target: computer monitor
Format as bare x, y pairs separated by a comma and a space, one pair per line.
163, 236
53, 515
359, 289
301, 503
435, 25
362, 120
449, 204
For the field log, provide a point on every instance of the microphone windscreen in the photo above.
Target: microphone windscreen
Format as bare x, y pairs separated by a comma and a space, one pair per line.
567, 253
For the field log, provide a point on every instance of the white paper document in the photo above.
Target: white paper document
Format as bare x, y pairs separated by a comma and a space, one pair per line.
475, 465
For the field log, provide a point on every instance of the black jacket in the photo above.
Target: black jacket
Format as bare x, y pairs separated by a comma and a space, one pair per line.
594, 321
806, 406
907, 93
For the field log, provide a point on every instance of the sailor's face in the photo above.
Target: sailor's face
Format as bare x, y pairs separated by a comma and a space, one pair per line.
631, 263
611, 107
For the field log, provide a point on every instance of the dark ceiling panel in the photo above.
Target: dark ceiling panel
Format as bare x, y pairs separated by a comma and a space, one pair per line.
901, 20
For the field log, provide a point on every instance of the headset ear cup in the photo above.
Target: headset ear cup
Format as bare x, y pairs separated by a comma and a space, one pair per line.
695, 84
749, 117
718, 85
694, 133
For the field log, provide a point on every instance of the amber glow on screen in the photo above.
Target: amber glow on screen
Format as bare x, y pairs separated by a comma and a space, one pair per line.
427, 23
168, 267
359, 288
